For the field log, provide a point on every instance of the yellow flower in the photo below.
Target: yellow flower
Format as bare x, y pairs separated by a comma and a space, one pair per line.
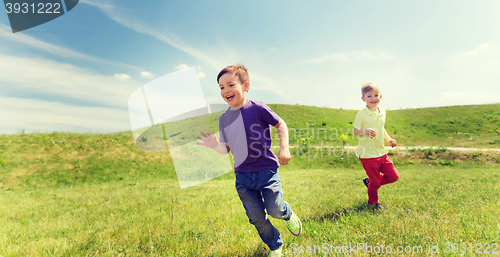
344, 138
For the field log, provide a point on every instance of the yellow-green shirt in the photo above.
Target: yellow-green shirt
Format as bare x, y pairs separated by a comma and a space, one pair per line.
370, 147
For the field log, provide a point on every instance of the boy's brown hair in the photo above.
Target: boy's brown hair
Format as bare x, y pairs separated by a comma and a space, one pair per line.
238, 70
367, 87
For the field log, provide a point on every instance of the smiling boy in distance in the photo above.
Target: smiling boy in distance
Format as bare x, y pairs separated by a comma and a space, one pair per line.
369, 126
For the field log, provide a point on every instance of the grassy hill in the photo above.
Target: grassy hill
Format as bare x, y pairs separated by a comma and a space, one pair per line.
49, 159
475, 126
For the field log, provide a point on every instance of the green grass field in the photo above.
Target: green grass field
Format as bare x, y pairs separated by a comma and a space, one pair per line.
64, 194
427, 206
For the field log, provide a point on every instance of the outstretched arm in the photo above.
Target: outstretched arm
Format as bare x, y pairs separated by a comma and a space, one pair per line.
284, 154
389, 139
211, 141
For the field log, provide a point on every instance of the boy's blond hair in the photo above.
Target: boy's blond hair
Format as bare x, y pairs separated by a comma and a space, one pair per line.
367, 87
238, 70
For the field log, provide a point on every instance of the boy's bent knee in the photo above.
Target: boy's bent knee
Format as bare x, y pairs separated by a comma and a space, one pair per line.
279, 211
394, 178
277, 214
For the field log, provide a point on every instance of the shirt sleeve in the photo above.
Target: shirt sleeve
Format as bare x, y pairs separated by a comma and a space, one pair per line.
269, 116
358, 123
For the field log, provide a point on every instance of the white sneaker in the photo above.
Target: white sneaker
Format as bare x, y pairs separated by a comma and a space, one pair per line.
276, 253
294, 225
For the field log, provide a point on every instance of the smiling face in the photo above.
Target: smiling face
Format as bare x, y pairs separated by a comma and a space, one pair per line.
233, 91
372, 99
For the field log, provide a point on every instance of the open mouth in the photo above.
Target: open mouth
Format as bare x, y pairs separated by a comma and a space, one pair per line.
229, 98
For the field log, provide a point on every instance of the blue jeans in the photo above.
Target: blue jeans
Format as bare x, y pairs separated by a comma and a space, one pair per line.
261, 190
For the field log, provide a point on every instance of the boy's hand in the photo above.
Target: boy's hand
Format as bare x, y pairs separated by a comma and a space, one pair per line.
393, 142
284, 156
208, 139
371, 132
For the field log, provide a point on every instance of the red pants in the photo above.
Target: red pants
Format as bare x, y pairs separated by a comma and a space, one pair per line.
380, 171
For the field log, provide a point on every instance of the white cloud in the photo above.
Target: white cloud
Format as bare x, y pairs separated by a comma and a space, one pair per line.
122, 77
198, 70
353, 57
20, 38
42, 76
47, 78
331, 57
44, 116
201, 74
147, 74
182, 67
479, 49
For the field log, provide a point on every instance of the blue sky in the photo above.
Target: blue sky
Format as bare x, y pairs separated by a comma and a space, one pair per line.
76, 73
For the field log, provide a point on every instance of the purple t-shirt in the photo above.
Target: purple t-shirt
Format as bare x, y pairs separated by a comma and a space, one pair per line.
248, 133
